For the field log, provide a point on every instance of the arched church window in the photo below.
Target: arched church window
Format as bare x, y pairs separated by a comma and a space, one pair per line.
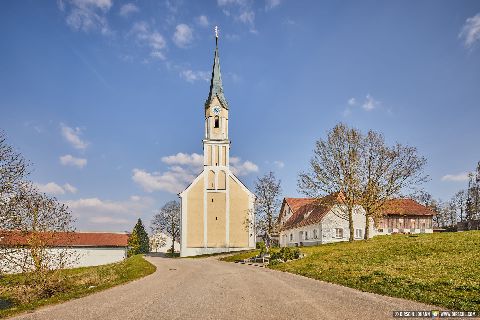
211, 180
217, 122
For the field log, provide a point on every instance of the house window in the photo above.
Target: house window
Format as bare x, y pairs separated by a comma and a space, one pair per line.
291, 237
217, 122
315, 236
338, 232
306, 235
358, 233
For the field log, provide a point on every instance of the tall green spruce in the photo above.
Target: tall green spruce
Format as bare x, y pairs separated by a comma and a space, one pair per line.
138, 241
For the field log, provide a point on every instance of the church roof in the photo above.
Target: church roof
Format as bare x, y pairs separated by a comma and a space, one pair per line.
216, 86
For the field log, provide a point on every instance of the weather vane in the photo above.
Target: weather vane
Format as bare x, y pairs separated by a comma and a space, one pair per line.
216, 32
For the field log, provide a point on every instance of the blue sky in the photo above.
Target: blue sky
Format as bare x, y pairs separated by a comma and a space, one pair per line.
106, 97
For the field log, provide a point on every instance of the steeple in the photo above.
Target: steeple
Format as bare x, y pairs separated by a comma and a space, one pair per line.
216, 87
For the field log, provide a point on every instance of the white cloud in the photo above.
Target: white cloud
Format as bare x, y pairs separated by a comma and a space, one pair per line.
183, 35
222, 3
270, 4
151, 38
127, 9
463, 176
69, 160
240, 168
192, 76
87, 15
96, 205
247, 17
202, 21
471, 30
72, 135
279, 164
370, 103
183, 169
55, 189
352, 102
69, 188
194, 159
98, 211
108, 220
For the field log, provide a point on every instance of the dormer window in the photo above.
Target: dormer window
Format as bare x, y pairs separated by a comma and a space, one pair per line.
217, 122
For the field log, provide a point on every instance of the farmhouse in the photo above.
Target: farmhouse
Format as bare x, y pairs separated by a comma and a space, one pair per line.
217, 206
405, 216
85, 248
310, 221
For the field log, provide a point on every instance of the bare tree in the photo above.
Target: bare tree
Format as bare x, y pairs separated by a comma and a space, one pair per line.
268, 201
335, 168
385, 173
33, 224
13, 170
168, 221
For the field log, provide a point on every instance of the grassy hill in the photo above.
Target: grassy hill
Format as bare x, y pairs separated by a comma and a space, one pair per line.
18, 293
441, 269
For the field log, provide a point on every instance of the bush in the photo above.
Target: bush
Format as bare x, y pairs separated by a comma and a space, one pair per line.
261, 245
285, 254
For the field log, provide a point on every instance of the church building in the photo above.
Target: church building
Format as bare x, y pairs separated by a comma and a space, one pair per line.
217, 208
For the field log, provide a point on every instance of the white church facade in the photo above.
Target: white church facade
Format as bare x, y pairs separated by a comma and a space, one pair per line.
217, 212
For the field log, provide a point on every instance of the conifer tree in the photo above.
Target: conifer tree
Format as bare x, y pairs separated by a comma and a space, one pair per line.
138, 241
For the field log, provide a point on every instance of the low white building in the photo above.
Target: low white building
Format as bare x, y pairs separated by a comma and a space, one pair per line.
83, 248
308, 221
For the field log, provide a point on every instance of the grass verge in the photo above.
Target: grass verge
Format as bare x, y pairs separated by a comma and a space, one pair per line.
78, 282
441, 269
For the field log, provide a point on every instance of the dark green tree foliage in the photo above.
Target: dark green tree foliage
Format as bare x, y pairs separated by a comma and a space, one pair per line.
138, 241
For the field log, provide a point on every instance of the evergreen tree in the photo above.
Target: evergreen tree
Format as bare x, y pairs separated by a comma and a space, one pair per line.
138, 241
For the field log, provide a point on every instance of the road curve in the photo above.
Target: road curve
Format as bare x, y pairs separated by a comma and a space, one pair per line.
211, 289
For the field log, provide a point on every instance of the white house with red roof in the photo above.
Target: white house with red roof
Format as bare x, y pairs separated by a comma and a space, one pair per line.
310, 221
84, 248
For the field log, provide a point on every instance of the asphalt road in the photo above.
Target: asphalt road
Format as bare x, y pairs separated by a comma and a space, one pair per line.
211, 289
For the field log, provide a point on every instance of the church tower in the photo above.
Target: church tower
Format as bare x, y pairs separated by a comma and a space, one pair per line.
217, 208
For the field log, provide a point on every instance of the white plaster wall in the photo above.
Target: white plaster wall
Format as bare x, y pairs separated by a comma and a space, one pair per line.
326, 229
79, 257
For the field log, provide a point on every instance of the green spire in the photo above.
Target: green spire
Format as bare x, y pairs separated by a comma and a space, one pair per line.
216, 87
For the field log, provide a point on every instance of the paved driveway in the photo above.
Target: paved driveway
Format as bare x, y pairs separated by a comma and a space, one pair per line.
211, 289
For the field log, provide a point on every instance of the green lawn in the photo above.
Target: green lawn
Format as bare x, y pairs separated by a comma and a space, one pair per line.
16, 296
441, 269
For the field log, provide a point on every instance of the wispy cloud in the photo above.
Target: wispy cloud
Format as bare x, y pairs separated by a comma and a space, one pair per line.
55, 189
69, 160
128, 9
182, 171
270, 4
279, 164
192, 76
87, 15
183, 35
471, 31
370, 103
145, 35
352, 102
242, 11
202, 21
463, 176
72, 135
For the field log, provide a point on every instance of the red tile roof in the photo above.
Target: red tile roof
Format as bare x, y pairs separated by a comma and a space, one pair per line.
60, 239
406, 207
305, 211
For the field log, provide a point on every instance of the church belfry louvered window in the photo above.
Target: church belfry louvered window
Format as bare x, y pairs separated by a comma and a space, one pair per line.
217, 122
